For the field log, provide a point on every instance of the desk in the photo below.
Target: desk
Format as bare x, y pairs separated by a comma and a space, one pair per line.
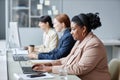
3, 68
111, 42
14, 67
113, 48
3, 61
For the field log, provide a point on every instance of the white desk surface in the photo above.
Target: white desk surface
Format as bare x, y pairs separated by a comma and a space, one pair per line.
14, 67
3, 61
111, 42
3, 67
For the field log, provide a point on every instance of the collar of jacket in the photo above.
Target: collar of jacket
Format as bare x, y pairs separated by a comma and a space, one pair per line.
86, 39
66, 31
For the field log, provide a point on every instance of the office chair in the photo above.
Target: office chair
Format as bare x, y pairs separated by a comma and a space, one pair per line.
114, 68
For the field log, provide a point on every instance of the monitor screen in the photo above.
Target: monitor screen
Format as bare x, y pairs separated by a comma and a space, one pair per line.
14, 36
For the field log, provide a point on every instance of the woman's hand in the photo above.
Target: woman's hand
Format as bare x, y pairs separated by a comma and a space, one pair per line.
47, 64
36, 49
32, 55
42, 67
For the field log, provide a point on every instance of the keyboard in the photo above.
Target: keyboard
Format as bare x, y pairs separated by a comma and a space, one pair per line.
28, 70
20, 57
20, 54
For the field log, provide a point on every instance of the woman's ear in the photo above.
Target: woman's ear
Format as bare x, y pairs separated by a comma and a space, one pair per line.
63, 24
84, 29
84, 32
47, 23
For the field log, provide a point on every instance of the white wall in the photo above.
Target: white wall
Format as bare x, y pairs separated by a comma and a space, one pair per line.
109, 12
31, 36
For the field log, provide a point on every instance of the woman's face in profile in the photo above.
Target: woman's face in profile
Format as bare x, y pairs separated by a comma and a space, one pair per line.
57, 25
76, 31
43, 25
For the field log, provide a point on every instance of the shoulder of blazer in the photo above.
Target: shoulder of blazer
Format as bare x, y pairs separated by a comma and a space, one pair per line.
67, 32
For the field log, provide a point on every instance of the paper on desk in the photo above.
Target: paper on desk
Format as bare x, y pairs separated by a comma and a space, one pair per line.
25, 77
40, 61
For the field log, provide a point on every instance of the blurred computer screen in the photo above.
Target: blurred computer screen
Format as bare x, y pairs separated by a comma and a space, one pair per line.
14, 36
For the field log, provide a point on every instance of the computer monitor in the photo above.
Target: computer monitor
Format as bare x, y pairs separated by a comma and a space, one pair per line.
14, 36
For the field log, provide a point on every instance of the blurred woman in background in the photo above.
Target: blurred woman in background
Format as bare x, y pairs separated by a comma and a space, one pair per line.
50, 37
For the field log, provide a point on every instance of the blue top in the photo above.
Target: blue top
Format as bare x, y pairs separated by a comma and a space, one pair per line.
65, 45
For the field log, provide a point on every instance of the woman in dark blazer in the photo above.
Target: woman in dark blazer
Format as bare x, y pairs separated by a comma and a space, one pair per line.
66, 42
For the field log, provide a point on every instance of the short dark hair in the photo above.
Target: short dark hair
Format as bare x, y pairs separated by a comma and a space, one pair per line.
90, 20
46, 18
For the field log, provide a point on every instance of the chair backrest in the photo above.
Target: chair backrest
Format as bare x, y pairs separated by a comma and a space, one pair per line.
114, 65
